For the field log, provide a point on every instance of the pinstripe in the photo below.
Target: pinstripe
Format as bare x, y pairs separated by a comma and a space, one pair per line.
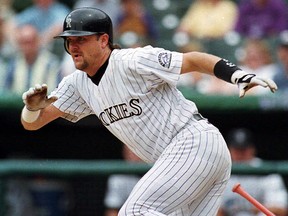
154, 114
161, 169
191, 158
149, 132
203, 206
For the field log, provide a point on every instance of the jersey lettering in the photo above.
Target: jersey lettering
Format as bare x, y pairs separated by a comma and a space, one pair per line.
120, 111
134, 103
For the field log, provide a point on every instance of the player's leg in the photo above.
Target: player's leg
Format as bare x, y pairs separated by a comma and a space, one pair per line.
207, 205
210, 202
189, 176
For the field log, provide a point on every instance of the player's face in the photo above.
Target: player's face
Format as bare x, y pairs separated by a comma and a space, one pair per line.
242, 155
86, 52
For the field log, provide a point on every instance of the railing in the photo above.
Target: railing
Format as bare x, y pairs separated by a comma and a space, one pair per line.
65, 168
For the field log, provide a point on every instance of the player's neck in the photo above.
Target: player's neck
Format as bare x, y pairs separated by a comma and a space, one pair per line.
99, 63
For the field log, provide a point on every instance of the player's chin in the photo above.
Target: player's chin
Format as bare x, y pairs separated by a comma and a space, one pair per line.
80, 65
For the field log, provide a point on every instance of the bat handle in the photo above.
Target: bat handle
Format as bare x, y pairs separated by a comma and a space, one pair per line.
238, 189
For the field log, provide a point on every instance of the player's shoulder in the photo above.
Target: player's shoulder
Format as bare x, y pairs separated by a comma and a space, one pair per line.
140, 54
138, 51
72, 82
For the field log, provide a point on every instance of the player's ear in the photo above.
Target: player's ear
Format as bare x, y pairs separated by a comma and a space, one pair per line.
104, 39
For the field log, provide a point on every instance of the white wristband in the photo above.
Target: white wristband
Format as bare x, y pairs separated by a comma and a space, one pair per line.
29, 116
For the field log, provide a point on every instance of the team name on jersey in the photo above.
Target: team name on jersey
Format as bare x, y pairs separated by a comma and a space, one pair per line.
120, 111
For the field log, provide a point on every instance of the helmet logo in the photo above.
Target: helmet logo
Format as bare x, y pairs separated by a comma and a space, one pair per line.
68, 21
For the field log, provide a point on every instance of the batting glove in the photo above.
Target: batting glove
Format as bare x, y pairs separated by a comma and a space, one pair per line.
247, 81
36, 98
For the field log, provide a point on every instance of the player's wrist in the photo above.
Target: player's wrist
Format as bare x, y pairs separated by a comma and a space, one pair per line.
29, 116
224, 70
34, 109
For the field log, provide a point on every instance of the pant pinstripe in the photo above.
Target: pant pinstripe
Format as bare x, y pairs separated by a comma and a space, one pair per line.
188, 179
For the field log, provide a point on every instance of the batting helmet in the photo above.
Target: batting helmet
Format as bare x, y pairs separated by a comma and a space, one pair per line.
86, 21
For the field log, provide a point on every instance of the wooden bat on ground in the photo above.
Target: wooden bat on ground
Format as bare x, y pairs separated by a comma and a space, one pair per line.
238, 189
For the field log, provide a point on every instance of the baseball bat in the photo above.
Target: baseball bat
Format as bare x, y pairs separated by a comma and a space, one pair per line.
238, 189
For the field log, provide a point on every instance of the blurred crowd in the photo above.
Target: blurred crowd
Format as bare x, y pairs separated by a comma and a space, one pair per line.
250, 33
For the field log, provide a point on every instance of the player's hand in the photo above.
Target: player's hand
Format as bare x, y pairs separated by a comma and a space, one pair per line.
36, 98
246, 81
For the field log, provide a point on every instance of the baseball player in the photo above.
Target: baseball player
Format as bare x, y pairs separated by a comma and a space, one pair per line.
133, 93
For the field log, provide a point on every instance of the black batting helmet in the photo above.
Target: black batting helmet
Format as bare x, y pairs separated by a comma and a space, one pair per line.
86, 21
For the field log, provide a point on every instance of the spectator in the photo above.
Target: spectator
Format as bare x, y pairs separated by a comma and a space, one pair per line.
135, 25
111, 7
18, 199
6, 50
119, 186
269, 189
6, 9
208, 19
37, 196
281, 77
32, 64
261, 18
45, 15
258, 58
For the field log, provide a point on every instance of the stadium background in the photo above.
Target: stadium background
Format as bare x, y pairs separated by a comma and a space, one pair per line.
89, 140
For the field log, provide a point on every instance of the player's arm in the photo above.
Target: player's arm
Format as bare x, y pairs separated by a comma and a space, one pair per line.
225, 70
200, 62
38, 110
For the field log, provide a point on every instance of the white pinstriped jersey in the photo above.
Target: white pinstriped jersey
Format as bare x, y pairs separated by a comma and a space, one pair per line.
136, 99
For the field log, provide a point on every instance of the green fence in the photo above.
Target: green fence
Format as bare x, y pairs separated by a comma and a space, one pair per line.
66, 168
